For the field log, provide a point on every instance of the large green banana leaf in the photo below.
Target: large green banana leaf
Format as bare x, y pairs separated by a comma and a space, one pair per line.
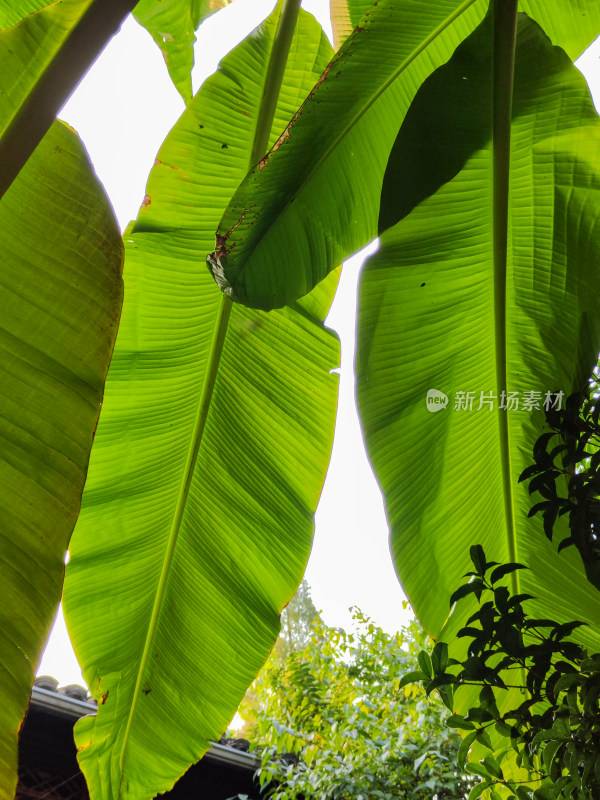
430, 318
60, 297
172, 25
178, 573
42, 58
317, 194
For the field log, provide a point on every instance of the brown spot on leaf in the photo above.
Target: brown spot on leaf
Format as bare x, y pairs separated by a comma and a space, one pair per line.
264, 161
221, 249
221, 244
287, 132
146, 201
103, 699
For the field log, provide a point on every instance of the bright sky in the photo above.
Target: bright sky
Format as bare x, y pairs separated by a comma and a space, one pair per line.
123, 110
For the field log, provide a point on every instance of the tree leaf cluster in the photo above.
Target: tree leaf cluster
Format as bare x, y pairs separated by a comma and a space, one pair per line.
546, 747
331, 722
566, 473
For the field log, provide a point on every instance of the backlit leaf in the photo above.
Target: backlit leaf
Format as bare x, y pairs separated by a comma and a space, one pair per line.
60, 298
198, 558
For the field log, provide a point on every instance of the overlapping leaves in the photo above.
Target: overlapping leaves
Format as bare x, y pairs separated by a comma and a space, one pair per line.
566, 476
43, 56
317, 193
543, 746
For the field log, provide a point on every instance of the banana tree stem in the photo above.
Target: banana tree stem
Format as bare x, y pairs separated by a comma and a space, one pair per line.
82, 47
277, 61
505, 31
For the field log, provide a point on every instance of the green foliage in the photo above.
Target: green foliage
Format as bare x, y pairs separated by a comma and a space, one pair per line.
297, 621
209, 456
173, 26
61, 259
345, 15
215, 432
43, 56
548, 746
432, 316
342, 136
330, 721
566, 473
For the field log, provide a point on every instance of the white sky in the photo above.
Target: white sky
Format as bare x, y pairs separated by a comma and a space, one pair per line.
123, 110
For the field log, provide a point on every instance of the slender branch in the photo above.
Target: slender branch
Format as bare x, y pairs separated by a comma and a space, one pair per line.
481, 683
82, 47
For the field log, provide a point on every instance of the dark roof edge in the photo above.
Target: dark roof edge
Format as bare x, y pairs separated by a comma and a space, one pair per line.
229, 755
70, 707
54, 701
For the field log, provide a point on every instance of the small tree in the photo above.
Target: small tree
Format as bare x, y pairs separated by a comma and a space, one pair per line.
297, 622
330, 721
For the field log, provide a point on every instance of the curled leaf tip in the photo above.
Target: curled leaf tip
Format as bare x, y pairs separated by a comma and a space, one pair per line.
213, 261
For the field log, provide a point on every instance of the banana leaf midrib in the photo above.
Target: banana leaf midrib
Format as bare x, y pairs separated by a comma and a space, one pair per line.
505, 31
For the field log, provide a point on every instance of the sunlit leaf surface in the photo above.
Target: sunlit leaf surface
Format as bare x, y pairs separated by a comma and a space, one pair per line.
178, 574
316, 195
428, 318
345, 15
173, 25
60, 298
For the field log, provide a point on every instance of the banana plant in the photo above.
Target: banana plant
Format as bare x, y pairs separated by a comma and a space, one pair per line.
61, 255
65, 39
45, 49
445, 306
345, 15
215, 433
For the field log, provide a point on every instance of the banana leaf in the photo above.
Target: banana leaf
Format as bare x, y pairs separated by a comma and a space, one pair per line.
43, 56
172, 25
345, 15
197, 517
433, 327
60, 298
12, 13
317, 193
